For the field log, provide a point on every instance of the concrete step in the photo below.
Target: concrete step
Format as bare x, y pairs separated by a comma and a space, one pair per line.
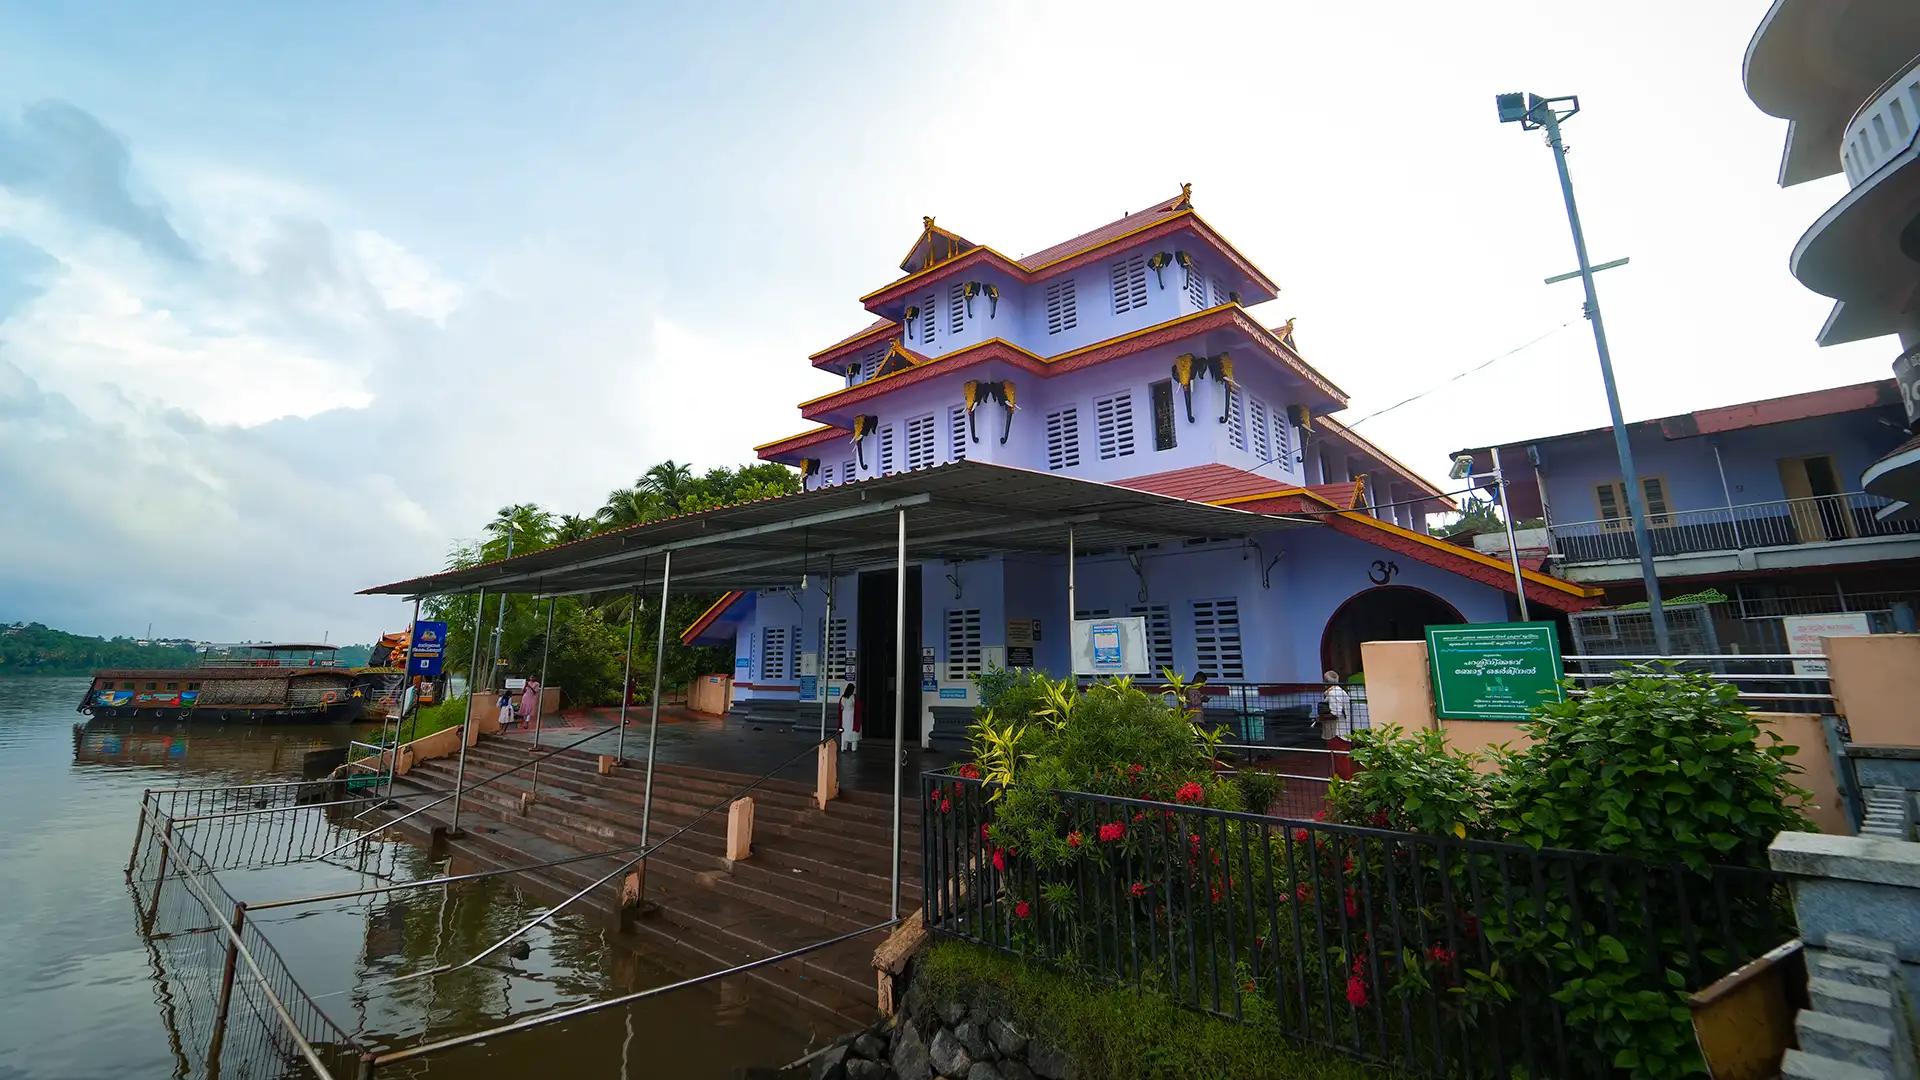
1800, 1065
1851, 1042
1865, 1004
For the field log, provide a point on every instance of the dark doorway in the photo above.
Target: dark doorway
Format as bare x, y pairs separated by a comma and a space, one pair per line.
1388, 613
874, 675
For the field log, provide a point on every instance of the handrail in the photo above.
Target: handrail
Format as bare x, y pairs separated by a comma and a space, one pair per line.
362, 837
572, 1011
622, 868
1725, 508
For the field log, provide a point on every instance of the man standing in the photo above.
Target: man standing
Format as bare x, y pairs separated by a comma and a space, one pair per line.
1336, 725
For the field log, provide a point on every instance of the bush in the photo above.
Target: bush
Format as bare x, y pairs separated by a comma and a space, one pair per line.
1664, 766
1258, 790
1115, 1032
1413, 783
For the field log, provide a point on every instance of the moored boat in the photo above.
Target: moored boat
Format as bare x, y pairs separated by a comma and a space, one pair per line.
267, 681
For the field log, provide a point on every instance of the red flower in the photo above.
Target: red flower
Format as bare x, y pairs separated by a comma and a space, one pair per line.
1190, 792
986, 831
1472, 924
1303, 893
1138, 889
1193, 842
1073, 839
1247, 986
1357, 992
1022, 909
1353, 904
946, 806
1216, 893
1112, 830
1380, 818
1349, 866
1259, 941
1300, 836
1000, 863
1440, 954
1139, 816
1320, 814
1134, 771
970, 771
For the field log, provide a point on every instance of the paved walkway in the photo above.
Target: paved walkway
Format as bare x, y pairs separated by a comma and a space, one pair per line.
691, 738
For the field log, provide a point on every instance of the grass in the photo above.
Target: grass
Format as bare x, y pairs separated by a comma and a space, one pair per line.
1109, 1031
425, 721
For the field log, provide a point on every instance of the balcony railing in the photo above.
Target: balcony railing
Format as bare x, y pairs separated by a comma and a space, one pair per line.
1780, 523
1885, 125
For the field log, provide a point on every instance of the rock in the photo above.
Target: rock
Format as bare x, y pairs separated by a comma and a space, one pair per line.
983, 1071
910, 1061
974, 1039
1048, 1061
948, 1054
831, 1065
1006, 1038
861, 1069
1014, 1070
953, 1012
869, 1045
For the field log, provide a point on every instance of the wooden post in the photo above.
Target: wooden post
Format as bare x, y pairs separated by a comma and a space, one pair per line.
739, 829
607, 761
826, 782
632, 889
226, 992
139, 827
160, 879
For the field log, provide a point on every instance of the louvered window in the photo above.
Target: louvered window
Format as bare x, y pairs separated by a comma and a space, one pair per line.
835, 662
1259, 429
1063, 439
1061, 315
1219, 291
773, 652
1216, 639
1159, 633
956, 308
920, 442
850, 471
1196, 287
1160, 400
957, 432
926, 321
886, 452
1236, 418
1113, 420
826, 476
1129, 277
1092, 613
870, 363
963, 644
1282, 438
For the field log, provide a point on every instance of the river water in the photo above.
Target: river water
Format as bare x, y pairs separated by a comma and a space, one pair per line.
83, 995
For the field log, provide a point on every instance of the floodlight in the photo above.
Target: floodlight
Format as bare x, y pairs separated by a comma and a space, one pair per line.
1462, 467
1513, 107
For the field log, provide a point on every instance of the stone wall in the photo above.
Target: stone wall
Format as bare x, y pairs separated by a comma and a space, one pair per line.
946, 1040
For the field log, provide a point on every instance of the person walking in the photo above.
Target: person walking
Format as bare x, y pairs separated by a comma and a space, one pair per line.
1336, 725
530, 700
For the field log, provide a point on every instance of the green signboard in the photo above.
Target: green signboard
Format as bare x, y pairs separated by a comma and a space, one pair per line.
1493, 671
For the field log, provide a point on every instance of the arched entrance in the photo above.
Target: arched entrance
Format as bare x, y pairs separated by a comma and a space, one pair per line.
1384, 613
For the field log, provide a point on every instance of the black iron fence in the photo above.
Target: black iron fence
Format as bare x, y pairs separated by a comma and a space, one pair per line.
1439, 955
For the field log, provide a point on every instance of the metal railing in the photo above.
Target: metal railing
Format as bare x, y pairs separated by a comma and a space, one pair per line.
1776, 523
1774, 682
1278, 714
1437, 955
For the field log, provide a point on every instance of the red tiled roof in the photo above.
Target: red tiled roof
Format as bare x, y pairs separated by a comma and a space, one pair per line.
871, 328
1204, 483
1779, 410
1093, 238
1342, 431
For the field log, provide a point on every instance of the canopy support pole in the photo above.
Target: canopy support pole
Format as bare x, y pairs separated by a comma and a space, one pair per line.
540, 699
466, 720
653, 725
1073, 602
626, 679
826, 652
900, 700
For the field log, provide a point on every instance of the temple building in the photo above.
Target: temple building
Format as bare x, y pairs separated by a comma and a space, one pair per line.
1125, 356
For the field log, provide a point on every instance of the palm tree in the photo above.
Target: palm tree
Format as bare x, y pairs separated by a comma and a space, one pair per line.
671, 481
519, 528
628, 506
574, 527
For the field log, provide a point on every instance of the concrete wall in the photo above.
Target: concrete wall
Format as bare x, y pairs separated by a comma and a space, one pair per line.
1803, 732
1876, 686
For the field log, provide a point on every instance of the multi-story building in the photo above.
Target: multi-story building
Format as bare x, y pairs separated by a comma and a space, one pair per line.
1126, 355
1754, 500
1846, 75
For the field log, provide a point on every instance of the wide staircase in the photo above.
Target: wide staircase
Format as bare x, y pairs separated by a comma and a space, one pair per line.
812, 874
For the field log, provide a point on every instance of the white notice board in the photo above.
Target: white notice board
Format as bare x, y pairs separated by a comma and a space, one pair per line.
1805, 631
1111, 647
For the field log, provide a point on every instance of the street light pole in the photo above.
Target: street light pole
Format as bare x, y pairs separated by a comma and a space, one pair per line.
1540, 112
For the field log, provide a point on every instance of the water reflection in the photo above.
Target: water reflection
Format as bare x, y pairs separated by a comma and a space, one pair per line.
69, 929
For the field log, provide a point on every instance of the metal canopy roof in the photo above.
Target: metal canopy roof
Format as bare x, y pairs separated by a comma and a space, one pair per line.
966, 510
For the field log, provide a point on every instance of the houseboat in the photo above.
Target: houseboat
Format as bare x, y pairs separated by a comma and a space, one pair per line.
268, 681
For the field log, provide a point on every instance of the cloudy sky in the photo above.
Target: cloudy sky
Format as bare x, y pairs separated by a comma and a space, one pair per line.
293, 296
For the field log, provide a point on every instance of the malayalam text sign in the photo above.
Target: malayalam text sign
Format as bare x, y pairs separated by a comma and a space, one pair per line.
1805, 631
1493, 671
427, 649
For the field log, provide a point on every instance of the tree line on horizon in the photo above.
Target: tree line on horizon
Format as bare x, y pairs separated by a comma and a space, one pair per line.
588, 651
